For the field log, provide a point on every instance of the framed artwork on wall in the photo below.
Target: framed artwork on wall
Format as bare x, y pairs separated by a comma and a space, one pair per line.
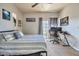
30, 20
19, 23
5, 15
64, 21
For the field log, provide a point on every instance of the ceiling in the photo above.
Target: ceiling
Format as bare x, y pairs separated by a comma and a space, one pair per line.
41, 7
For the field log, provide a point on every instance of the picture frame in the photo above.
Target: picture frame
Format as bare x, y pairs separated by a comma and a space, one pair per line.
6, 14
64, 21
19, 23
30, 19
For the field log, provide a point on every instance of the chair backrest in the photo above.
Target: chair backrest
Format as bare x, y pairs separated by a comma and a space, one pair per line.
54, 31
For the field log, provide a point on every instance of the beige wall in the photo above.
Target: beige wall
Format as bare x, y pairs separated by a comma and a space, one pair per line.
33, 27
72, 11
9, 25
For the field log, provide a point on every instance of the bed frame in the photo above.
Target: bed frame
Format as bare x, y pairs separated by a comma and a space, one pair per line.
7, 31
33, 54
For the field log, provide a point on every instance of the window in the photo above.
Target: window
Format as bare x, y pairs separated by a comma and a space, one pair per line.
53, 22
46, 29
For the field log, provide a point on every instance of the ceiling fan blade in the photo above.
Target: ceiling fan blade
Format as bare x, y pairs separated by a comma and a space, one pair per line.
35, 4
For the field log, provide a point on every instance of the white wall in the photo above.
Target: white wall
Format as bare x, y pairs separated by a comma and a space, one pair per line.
72, 11
9, 25
33, 27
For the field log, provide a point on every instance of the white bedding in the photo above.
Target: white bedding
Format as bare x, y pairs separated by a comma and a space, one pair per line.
33, 38
25, 45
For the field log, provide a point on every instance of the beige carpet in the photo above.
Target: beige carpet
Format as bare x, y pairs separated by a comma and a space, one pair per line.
59, 50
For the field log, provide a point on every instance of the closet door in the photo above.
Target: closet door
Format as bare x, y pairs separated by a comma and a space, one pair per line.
40, 26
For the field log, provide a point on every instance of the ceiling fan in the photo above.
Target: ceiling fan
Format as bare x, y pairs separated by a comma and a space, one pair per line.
35, 4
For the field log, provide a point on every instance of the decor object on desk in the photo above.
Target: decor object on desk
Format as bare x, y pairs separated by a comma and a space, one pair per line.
5, 14
30, 20
64, 21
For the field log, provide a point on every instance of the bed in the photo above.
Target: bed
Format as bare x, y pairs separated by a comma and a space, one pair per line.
27, 45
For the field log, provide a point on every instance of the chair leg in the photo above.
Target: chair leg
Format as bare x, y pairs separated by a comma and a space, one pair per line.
56, 40
53, 41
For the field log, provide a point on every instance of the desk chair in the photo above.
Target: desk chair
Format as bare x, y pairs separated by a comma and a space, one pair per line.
55, 36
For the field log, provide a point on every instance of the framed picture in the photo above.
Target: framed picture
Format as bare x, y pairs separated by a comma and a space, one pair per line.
14, 21
30, 20
64, 21
19, 23
5, 14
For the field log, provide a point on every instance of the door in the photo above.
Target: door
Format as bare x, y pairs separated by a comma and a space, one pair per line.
40, 26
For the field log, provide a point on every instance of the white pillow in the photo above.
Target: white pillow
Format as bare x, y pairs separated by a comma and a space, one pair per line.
9, 36
21, 33
2, 38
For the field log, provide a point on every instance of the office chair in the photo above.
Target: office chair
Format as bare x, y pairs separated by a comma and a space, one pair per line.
54, 33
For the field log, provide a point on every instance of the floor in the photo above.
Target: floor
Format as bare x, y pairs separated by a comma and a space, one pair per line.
59, 50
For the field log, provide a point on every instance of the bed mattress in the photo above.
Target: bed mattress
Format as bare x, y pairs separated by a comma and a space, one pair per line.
25, 45
33, 38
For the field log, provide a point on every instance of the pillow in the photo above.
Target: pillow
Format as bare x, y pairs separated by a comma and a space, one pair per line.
18, 35
9, 36
21, 33
2, 37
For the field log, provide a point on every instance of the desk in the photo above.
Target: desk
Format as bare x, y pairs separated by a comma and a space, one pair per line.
64, 34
